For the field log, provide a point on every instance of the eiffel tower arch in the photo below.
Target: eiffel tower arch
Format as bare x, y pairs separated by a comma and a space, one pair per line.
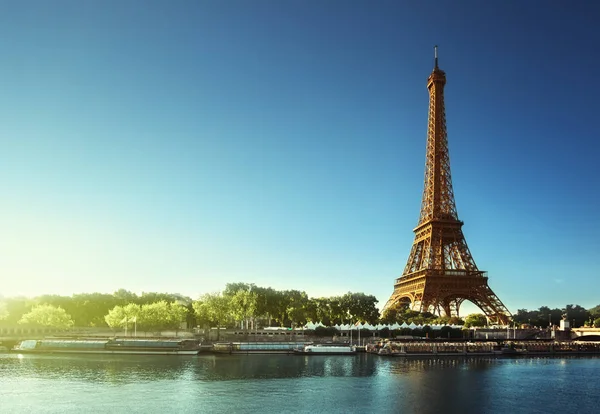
440, 273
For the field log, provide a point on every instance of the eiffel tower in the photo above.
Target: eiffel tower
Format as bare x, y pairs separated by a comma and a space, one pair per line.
440, 273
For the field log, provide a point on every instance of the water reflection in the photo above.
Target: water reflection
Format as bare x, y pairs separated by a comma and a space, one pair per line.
266, 383
96, 368
136, 368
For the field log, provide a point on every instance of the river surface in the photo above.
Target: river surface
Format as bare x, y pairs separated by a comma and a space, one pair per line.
295, 384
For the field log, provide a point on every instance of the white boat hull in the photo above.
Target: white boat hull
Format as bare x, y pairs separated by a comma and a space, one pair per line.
326, 350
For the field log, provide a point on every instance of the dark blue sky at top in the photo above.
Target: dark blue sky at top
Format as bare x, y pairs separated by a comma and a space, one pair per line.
178, 146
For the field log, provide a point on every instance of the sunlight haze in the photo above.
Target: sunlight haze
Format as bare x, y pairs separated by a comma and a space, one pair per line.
176, 147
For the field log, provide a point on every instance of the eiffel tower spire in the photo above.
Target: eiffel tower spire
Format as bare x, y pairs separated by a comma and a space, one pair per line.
440, 272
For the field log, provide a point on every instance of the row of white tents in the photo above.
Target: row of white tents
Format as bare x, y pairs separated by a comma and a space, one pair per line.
378, 327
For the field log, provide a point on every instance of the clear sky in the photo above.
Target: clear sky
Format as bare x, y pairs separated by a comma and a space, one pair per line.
176, 146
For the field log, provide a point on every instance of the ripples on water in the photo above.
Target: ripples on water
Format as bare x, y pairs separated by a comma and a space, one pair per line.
290, 383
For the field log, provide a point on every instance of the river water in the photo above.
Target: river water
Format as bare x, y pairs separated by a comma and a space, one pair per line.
295, 384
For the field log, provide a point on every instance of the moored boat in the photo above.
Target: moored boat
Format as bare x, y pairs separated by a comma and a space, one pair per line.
509, 351
326, 350
109, 346
256, 347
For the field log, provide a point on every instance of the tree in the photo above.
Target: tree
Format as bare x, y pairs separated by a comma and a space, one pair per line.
455, 320
475, 319
393, 314
124, 316
324, 310
16, 308
297, 306
153, 317
597, 323
3, 311
232, 288
47, 316
279, 305
266, 302
214, 308
524, 316
177, 314
155, 297
360, 307
243, 306
116, 317
595, 311
576, 314
124, 297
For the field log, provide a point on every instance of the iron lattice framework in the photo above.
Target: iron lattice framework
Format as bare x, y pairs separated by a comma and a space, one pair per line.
440, 273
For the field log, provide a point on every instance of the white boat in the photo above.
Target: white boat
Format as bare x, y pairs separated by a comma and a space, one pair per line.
109, 346
326, 350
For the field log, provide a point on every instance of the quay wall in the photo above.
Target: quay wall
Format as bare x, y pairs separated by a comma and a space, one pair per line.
483, 348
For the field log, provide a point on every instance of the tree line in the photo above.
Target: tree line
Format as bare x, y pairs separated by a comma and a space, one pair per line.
84, 309
544, 316
245, 306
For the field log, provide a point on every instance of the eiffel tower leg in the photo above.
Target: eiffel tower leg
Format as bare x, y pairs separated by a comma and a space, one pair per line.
457, 303
447, 309
417, 303
493, 309
439, 309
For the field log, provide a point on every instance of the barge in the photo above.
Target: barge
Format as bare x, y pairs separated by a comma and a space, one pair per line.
326, 350
508, 349
109, 346
256, 347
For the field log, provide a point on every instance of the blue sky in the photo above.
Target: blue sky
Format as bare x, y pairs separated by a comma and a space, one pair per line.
177, 146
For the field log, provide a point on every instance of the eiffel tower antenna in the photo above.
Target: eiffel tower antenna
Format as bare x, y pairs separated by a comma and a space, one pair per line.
440, 272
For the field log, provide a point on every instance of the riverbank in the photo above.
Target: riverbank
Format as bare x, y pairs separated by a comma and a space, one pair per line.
496, 348
384, 348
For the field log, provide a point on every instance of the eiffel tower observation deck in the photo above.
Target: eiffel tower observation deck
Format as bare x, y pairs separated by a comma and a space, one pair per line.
440, 273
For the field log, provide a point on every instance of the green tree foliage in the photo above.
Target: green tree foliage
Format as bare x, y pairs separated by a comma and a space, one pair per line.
455, 320
155, 297
595, 312
360, 307
267, 304
597, 323
151, 317
297, 305
16, 307
263, 299
325, 310
243, 306
279, 306
475, 319
394, 314
124, 316
214, 308
124, 297
232, 288
47, 316
544, 316
321, 331
116, 317
178, 313
577, 315
3, 311
89, 309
